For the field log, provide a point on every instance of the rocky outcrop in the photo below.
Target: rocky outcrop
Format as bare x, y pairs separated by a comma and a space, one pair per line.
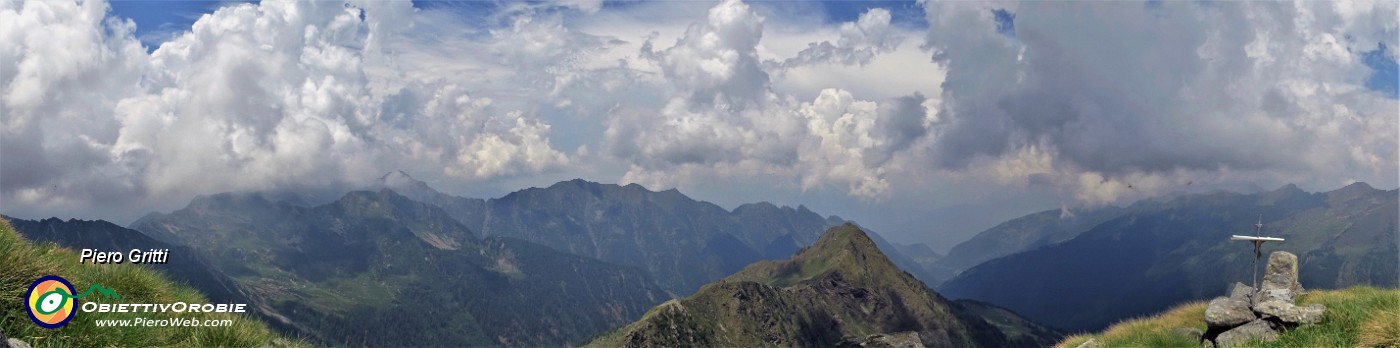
907, 339
1248, 315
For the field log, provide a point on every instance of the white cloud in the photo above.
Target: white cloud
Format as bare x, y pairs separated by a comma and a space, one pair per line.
263, 96
727, 121
859, 42
1122, 100
1094, 102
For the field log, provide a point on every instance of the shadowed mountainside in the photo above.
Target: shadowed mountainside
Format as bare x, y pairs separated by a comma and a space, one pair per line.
376, 268
1177, 249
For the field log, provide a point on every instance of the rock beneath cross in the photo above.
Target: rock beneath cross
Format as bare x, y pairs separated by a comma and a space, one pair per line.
1229, 312
1258, 330
1290, 314
1280, 278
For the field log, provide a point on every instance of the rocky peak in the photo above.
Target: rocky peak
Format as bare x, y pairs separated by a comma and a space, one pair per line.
399, 178
1284, 193
847, 237
1357, 189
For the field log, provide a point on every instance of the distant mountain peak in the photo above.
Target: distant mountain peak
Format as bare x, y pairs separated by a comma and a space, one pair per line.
819, 297
1354, 190
846, 236
230, 200
842, 249
399, 178
577, 183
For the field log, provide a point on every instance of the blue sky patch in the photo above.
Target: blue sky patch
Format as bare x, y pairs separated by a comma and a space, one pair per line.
1006, 22
1385, 75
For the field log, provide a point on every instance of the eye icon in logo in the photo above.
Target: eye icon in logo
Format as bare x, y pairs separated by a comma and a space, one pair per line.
50, 302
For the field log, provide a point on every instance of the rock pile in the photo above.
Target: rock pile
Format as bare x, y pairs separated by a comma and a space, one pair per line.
907, 339
1249, 315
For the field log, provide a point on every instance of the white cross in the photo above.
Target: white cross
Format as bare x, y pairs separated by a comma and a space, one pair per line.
1258, 241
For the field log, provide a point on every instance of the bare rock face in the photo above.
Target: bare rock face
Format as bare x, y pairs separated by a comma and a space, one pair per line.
1255, 330
907, 339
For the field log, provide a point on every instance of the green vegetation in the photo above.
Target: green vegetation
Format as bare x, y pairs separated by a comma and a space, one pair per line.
23, 262
1360, 316
379, 269
840, 289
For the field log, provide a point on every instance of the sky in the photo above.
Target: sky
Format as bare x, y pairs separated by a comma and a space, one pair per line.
926, 121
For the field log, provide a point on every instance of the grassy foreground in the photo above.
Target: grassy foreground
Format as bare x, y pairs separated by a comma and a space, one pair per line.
21, 262
1356, 317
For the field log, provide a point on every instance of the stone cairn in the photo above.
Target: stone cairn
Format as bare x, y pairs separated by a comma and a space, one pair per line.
1260, 315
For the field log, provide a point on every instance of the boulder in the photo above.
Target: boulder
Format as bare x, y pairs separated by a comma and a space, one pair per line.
1255, 330
1225, 312
1281, 278
1289, 313
1279, 295
14, 343
1241, 291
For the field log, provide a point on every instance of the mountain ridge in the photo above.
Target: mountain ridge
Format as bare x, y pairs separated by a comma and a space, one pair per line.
834, 292
682, 242
377, 268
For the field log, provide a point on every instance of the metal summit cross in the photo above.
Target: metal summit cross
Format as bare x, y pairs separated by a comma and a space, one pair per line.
1258, 241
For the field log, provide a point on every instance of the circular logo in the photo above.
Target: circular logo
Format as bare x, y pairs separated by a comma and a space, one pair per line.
50, 301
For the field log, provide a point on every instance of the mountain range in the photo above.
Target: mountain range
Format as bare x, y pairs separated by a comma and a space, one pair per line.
840, 291
1164, 251
681, 242
376, 268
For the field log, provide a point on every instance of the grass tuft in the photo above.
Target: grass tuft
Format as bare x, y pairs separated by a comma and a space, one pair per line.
1381, 330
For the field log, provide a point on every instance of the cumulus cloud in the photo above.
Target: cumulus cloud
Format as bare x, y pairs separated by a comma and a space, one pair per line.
727, 121
1096, 102
1119, 100
252, 97
860, 42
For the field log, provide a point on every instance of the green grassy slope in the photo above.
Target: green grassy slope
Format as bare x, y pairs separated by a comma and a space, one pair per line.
379, 269
22, 262
1360, 316
841, 287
